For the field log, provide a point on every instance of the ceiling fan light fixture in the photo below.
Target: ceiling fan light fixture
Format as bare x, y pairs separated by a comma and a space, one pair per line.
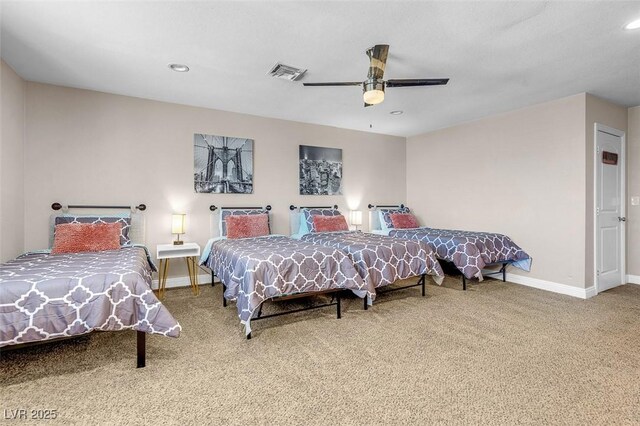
373, 97
374, 86
373, 92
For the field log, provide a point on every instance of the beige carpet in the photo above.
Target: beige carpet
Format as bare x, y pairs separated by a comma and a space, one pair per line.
496, 354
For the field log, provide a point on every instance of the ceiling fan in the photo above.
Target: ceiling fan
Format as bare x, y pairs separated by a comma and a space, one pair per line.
373, 87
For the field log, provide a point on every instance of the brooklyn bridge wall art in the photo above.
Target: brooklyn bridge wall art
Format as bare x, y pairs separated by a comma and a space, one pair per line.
222, 164
320, 170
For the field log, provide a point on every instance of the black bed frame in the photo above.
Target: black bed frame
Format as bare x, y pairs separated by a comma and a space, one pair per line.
421, 282
502, 270
292, 207
451, 269
335, 293
335, 301
141, 336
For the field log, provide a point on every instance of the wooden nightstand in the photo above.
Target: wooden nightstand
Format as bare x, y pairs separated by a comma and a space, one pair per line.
190, 252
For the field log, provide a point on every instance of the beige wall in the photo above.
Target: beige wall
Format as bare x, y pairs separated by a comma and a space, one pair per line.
89, 147
633, 189
521, 173
602, 112
530, 169
12, 112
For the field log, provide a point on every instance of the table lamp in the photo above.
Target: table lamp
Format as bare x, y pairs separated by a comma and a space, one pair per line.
178, 226
355, 217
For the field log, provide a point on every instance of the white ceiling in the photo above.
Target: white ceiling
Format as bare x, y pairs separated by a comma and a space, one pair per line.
499, 55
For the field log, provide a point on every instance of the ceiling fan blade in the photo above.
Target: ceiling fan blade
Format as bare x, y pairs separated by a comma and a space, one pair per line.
367, 105
378, 61
410, 82
335, 83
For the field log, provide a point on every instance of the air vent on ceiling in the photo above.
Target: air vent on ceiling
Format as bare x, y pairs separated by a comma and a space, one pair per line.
286, 72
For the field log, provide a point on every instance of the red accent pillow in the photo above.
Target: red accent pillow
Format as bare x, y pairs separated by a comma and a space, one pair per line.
81, 237
404, 220
330, 223
247, 226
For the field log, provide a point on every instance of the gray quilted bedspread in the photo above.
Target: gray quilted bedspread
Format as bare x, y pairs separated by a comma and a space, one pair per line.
44, 296
469, 251
381, 260
257, 269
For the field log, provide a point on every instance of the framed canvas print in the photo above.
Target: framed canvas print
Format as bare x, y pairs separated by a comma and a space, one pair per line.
222, 164
320, 171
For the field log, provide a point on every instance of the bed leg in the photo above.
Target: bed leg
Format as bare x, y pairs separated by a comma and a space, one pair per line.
249, 336
224, 301
504, 272
366, 305
423, 280
213, 279
338, 305
464, 282
141, 337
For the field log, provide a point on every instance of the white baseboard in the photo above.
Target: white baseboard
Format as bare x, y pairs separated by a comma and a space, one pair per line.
174, 282
590, 292
569, 290
633, 279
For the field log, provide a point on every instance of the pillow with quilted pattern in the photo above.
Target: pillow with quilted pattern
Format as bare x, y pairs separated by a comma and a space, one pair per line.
247, 226
309, 215
385, 216
83, 237
123, 222
404, 221
329, 223
227, 213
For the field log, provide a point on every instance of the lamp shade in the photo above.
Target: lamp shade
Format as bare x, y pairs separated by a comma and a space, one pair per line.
373, 92
178, 223
355, 216
373, 97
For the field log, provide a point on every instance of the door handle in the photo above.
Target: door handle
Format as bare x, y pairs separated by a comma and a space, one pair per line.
622, 219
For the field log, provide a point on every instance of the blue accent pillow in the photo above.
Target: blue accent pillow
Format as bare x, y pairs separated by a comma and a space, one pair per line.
303, 228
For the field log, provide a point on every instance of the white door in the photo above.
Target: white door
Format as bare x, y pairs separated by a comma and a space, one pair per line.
610, 213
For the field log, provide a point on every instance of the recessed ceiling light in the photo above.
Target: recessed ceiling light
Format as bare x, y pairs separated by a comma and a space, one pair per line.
633, 25
179, 67
396, 112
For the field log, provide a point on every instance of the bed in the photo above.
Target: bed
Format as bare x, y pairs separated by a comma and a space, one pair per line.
270, 267
49, 296
380, 260
467, 252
